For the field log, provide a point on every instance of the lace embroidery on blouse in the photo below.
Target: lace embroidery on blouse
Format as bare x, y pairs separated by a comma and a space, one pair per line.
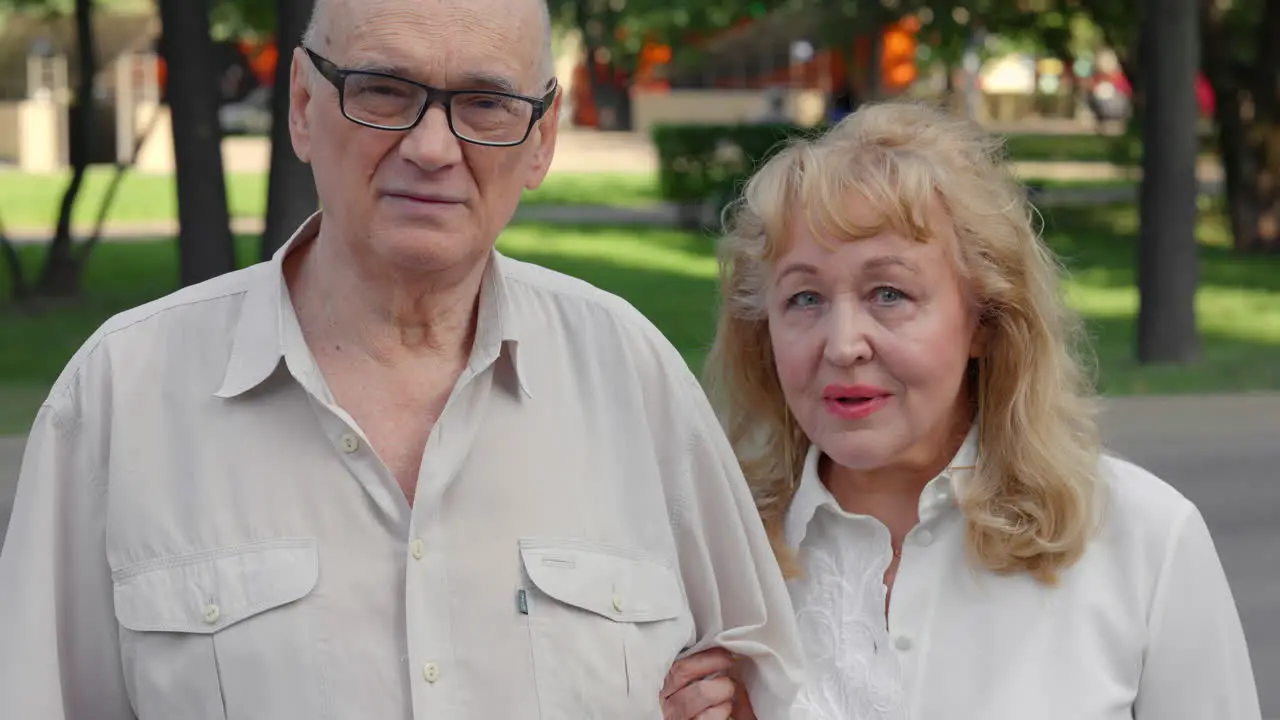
853, 672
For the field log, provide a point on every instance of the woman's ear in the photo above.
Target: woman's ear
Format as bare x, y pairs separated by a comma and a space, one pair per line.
982, 332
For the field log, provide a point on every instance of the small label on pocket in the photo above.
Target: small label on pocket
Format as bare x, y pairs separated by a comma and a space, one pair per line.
522, 601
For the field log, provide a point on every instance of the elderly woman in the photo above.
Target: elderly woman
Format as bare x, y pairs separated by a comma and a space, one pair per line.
898, 374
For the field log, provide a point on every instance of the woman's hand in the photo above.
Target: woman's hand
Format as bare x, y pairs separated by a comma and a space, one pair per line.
700, 687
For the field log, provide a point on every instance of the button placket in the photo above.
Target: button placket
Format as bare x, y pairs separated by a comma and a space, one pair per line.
915, 593
429, 623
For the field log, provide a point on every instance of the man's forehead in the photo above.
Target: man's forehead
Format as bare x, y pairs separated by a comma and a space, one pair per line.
483, 27
476, 42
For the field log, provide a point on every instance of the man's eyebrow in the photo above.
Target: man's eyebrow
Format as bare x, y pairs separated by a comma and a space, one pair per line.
377, 66
466, 81
487, 81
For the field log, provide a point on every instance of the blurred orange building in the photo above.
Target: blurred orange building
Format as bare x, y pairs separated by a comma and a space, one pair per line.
827, 70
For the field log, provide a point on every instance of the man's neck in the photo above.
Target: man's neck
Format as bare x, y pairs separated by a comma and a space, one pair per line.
355, 311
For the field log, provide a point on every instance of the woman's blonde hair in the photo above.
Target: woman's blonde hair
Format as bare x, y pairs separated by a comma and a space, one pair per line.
1030, 505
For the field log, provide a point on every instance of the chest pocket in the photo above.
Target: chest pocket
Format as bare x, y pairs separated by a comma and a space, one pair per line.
605, 624
221, 634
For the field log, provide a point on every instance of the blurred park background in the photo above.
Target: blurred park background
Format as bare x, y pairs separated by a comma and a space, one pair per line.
142, 147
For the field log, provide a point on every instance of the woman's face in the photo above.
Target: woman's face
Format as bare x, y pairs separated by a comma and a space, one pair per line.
872, 339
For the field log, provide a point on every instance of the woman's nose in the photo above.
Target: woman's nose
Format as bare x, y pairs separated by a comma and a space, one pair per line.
848, 342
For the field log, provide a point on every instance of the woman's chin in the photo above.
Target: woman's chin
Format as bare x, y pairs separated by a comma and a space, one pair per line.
862, 449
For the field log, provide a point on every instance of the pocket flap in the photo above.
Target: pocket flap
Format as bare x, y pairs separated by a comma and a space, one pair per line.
208, 591
619, 583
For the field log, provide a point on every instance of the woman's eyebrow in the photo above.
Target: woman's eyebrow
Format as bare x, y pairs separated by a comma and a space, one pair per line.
796, 268
885, 262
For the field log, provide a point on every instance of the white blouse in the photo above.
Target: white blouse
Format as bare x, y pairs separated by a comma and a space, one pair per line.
1144, 626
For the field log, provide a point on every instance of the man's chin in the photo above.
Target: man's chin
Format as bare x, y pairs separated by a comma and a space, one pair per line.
424, 248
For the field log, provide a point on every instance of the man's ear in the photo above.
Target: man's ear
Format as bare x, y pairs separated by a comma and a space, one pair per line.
545, 134
300, 79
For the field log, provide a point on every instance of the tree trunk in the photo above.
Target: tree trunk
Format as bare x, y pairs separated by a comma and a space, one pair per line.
205, 246
1267, 154
61, 274
1265, 91
1239, 167
1168, 253
597, 21
613, 104
291, 189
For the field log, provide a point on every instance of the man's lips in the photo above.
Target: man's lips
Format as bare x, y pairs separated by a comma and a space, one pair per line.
429, 198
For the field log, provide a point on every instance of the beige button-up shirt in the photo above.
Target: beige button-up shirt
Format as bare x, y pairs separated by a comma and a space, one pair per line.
200, 532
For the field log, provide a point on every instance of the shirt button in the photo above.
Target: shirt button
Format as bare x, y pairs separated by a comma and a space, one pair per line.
417, 547
924, 537
617, 603
211, 613
431, 672
349, 443
903, 643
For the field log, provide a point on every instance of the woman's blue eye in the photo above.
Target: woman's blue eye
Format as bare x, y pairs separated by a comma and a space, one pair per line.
888, 295
804, 299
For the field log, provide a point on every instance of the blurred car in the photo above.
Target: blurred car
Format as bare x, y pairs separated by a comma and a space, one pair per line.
249, 116
1111, 96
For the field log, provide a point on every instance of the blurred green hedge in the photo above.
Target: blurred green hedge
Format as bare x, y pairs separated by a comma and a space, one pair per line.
705, 166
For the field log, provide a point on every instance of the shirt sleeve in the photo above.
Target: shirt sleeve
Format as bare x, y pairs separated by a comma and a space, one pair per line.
59, 657
735, 588
1197, 663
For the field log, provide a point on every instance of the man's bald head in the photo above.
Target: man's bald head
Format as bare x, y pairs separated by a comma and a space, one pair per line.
323, 12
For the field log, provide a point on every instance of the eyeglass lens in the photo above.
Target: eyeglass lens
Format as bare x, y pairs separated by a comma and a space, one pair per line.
480, 116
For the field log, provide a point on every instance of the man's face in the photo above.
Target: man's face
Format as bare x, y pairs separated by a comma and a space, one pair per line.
421, 199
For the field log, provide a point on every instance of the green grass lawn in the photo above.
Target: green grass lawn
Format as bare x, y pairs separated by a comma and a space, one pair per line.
1083, 147
31, 201
670, 276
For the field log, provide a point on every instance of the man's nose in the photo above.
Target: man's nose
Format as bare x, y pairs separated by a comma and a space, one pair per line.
848, 330
431, 145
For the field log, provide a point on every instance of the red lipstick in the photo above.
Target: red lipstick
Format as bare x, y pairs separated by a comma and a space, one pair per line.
854, 402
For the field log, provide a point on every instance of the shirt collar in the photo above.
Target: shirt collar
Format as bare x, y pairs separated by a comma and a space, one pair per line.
267, 330
813, 495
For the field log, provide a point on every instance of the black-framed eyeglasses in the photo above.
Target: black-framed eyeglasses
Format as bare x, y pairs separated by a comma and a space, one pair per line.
386, 102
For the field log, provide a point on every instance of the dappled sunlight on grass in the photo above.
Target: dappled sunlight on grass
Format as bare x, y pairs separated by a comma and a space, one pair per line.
1238, 313
30, 201
1237, 305
640, 248
567, 188
670, 276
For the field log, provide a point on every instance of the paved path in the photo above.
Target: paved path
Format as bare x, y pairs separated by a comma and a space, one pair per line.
1221, 451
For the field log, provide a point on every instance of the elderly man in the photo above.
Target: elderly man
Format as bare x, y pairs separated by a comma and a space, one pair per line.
390, 473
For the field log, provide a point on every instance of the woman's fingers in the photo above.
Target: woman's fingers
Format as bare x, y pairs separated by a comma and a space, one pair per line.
719, 712
695, 667
710, 699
